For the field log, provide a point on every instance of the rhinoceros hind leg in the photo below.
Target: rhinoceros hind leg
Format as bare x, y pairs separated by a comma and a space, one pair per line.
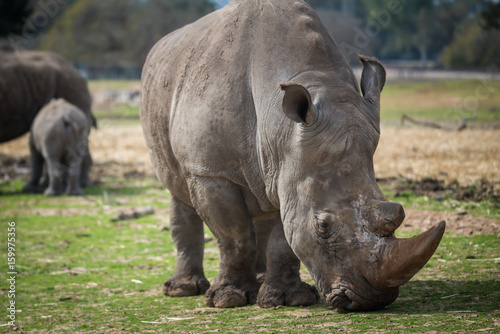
282, 285
263, 230
33, 186
55, 170
73, 177
187, 231
222, 206
84, 173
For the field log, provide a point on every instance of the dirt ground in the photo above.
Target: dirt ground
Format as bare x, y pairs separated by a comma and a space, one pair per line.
453, 160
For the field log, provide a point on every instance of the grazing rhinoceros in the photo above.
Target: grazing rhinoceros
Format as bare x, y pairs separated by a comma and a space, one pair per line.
28, 81
252, 114
59, 139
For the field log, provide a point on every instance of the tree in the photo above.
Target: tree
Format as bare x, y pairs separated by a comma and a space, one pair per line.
13, 15
491, 16
118, 33
353, 8
473, 47
408, 27
421, 27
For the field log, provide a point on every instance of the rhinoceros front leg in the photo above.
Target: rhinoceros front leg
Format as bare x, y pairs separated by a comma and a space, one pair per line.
282, 285
187, 232
222, 207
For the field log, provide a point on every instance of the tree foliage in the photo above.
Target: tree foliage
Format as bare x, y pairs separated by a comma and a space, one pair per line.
13, 15
422, 27
491, 16
117, 32
112, 33
473, 47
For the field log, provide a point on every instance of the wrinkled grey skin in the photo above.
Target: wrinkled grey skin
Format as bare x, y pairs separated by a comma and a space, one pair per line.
28, 81
59, 139
255, 122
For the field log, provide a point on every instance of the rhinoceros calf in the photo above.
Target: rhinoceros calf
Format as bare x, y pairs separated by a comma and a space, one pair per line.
28, 81
59, 139
252, 114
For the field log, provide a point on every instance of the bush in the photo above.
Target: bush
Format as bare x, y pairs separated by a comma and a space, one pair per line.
473, 47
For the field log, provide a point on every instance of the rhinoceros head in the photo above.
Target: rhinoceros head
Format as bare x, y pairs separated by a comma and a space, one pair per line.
335, 217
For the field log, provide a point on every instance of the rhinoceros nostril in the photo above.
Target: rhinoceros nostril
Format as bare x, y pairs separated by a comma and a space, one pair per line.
393, 212
384, 217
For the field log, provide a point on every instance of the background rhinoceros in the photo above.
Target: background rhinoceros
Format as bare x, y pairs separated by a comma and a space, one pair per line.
253, 114
28, 81
59, 139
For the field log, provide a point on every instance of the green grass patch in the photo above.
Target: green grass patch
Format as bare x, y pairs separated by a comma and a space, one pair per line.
80, 272
106, 84
445, 101
121, 112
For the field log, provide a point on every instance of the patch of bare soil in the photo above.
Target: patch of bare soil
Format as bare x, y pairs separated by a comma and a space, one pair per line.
457, 223
433, 187
421, 220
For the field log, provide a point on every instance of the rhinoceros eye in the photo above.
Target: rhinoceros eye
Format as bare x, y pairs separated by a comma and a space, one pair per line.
322, 228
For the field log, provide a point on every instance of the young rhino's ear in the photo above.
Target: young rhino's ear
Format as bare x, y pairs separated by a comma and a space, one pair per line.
372, 79
297, 103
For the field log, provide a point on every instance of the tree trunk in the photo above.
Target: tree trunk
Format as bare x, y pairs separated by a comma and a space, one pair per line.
423, 55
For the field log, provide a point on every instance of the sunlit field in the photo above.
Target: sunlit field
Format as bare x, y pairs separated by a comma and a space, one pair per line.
82, 271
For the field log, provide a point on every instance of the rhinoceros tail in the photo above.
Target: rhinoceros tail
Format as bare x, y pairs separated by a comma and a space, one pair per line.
70, 126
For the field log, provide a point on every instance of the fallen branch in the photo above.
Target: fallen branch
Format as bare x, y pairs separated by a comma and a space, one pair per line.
134, 213
460, 127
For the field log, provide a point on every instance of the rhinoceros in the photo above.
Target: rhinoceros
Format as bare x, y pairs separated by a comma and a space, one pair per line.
253, 117
28, 81
59, 135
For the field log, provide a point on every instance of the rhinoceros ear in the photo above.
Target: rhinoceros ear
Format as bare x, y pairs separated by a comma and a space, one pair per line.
372, 79
297, 103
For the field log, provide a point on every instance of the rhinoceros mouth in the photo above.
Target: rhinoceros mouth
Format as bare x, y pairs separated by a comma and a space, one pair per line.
338, 299
364, 298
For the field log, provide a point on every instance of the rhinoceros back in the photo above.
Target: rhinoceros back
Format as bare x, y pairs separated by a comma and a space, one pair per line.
211, 104
28, 81
197, 109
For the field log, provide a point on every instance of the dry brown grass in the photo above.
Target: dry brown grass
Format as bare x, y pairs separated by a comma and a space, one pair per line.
122, 144
413, 153
416, 153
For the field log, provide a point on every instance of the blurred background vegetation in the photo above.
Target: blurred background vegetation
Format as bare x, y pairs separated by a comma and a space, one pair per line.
114, 36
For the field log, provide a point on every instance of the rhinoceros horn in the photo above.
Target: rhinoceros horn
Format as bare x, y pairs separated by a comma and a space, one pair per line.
403, 258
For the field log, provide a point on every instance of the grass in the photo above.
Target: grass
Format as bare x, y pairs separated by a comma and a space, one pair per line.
96, 85
118, 112
80, 272
446, 101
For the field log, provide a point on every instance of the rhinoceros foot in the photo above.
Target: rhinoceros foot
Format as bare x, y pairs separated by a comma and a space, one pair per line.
228, 295
31, 188
52, 192
185, 286
276, 294
77, 191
